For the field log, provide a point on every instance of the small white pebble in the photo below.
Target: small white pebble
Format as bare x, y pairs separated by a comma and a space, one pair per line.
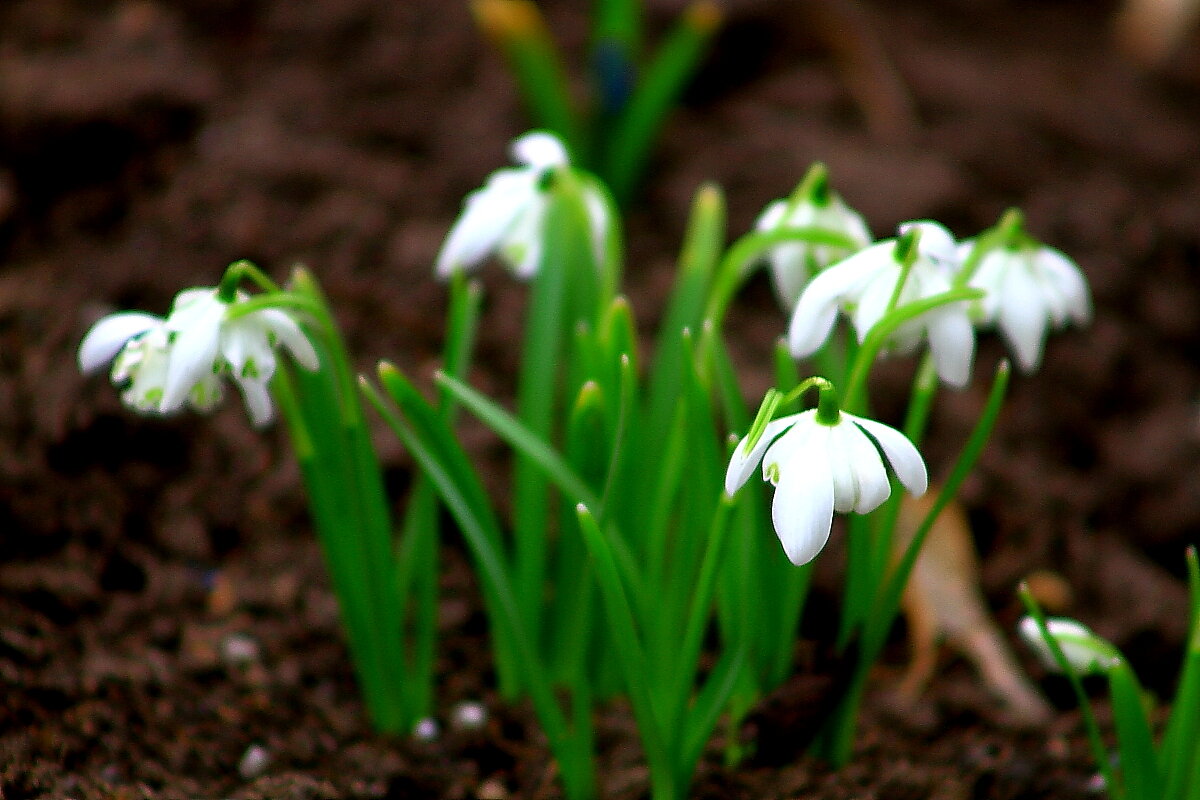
239, 650
254, 761
491, 789
468, 716
426, 730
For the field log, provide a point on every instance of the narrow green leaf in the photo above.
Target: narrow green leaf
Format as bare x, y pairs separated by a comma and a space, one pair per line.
705, 713
1139, 763
1099, 751
1179, 755
521, 438
677, 57
434, 448
517, 28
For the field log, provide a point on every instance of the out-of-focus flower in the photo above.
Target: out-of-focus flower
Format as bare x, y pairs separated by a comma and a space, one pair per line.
820, 468
1029, 289
814, 205
1086, 652
864, 287
164, 365
506, 216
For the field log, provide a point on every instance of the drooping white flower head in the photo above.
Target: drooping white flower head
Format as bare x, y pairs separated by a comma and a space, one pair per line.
793, 264
167, 364
139, 347
1086, 652
863, 286
505, 217
1030, 289
818, 469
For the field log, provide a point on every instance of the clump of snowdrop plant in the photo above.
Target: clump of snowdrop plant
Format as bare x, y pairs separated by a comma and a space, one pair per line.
1140, 769
639, 559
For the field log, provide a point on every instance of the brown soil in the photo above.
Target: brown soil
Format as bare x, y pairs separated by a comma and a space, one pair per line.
145, 144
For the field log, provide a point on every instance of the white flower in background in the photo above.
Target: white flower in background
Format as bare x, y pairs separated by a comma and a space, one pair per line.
795, 263
863, 286
1086, 652
506, 216
139, 347
167, 364
818, 469
1029, 290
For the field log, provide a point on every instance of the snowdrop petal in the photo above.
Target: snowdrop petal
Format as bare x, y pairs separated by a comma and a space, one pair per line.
871, 484
109, 335
802, 510
936, 245
488, 215
988, 277
874, 300
539, 150
952, 343
1023, 316
244, 344
521, 249
258, 401
290, 336
600, 217
1062, 273
1084, 651
743, 463
771, 216
193, 352
901, 453
789, 272
816, 310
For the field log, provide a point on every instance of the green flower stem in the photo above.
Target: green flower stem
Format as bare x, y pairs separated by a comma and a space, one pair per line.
241, 270
736, 265
882, 524
1005, 233
293, 301
877, 338
837, 740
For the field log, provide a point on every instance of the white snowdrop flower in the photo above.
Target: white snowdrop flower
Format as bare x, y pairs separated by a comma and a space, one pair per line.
207, 339
1086, 652
167, 364
1030, 289
505, 217
820, 468
863, 286
139, 347
793, 264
